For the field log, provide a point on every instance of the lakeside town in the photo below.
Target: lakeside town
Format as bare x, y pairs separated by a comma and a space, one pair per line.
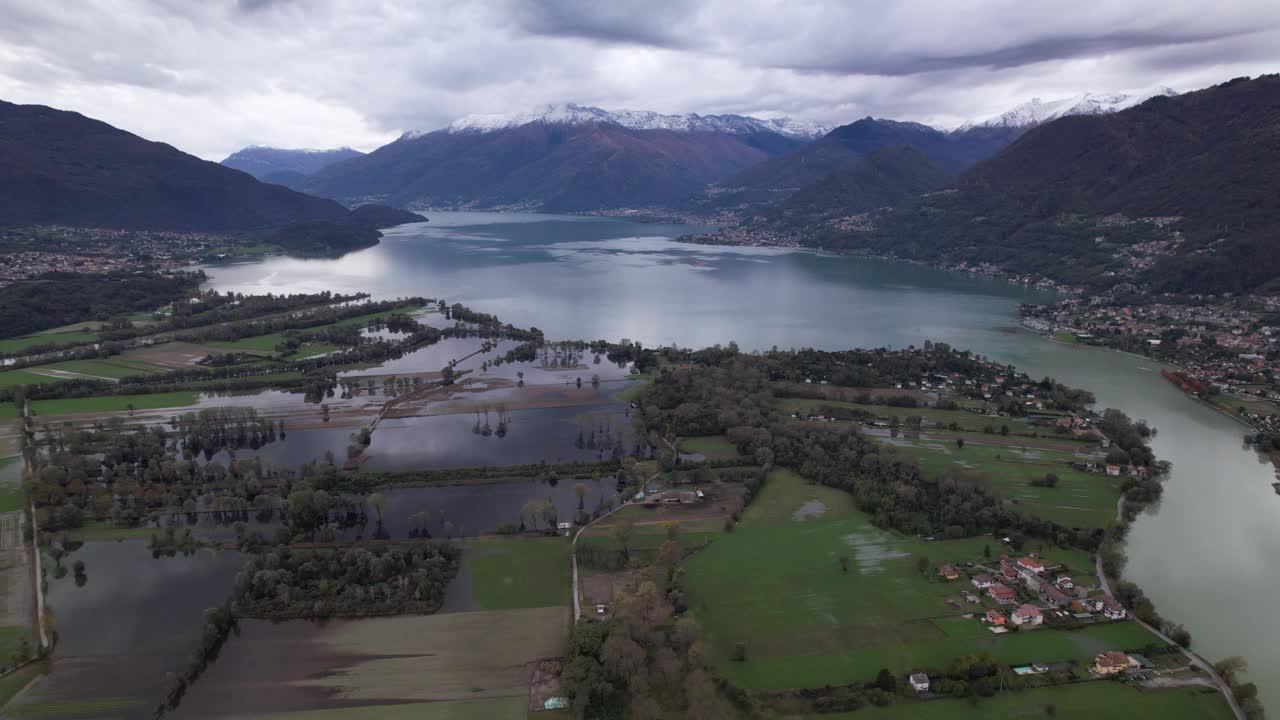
1227, 350
34, 251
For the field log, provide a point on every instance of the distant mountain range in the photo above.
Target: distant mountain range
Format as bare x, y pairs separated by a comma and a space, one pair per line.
64, 168
571, 114
578, 158
283, 166
560, 159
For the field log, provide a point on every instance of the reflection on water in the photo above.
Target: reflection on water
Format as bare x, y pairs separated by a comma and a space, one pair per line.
553, 435
134, 620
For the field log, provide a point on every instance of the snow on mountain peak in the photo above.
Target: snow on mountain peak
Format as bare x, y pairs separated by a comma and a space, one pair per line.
1037, 111
572, 114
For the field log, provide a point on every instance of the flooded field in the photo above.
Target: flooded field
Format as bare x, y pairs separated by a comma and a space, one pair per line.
458, 510
552, 435
133, 620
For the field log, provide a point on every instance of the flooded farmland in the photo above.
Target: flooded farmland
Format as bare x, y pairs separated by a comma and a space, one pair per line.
134, 619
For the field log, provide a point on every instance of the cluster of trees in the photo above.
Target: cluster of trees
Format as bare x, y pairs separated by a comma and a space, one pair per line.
212, 429
1231, 668
346, 582
1129, 447
219, 623
55, 299
134, 476
644, 663
170, 543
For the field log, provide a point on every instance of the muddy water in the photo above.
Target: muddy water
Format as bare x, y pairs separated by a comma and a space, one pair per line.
135, 619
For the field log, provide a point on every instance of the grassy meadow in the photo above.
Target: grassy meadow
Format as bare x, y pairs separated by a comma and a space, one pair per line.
114, 403
519, 572
19, 344
1096, 701
1080, 499
776, 585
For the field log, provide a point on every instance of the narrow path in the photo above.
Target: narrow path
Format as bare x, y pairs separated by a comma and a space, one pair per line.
1195, 659
573, 552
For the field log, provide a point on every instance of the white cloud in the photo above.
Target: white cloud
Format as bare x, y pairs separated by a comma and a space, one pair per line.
213, 76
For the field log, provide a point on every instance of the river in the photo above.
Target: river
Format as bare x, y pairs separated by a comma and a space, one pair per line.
1208, 554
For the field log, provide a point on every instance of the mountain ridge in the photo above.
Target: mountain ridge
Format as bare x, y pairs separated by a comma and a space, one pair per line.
263, 162
1175, 194
63, 168
553, 167
1037, 112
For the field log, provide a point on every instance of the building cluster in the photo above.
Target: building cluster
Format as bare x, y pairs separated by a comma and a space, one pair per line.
1025, 593
1224, 347
30, 252
1022, 592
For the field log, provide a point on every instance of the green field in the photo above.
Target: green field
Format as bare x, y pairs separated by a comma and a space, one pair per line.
933, 418
776, 585
1096, 701
1080, 499
13, 345
10, 639
255, 344
519, 572
11, 496
114, 403
97, 369
22, 377
8, 411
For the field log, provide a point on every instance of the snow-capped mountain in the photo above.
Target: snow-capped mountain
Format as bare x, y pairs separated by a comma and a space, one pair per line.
1037, 111
572, 114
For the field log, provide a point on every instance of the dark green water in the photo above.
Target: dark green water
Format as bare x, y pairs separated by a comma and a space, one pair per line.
1209, 555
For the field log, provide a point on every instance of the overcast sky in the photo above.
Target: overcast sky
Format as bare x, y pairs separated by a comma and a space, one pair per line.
211, 76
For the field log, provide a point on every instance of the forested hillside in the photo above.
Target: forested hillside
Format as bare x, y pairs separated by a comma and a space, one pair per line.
1177, 193
64, 168
881, 179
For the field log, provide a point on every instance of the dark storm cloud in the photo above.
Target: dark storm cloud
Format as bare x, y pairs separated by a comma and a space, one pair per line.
1038, 50
214, 75
654, 24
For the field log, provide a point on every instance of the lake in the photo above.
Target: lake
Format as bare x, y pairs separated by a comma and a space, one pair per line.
1208, 554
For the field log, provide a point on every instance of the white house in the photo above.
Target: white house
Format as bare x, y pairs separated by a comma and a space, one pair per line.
1114, 611
919, 682
983, 581
1027, 615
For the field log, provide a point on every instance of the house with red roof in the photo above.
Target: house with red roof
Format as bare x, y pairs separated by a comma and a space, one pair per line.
1027, 615
1002, 594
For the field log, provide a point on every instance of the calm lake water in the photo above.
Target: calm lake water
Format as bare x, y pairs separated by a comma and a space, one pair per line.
1208, 555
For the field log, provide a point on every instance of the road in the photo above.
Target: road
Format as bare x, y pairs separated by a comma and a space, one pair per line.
1194, 659
573, 552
